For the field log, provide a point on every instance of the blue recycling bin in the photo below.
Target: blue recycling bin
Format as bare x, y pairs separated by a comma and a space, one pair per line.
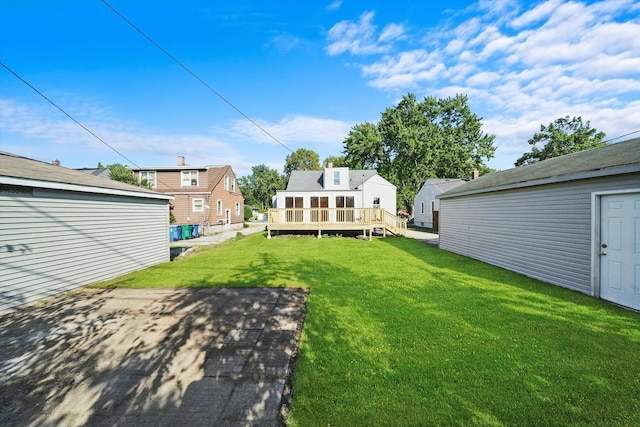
179, 232
196, 229
174, 233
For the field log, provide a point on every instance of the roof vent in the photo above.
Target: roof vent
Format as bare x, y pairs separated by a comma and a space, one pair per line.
55, 162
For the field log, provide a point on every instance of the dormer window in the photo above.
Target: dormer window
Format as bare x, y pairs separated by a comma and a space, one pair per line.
336, 178
149, 176
189, 178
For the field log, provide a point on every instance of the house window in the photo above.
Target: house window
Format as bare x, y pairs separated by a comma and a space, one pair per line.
219, 207
226, 182
149, 176
198, 205
336, 178
233, 185
376, 202
422, 207
294, 212
189, 178
237, 208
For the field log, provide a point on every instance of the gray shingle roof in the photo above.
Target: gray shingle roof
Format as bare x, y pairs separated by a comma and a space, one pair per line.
14, 166
312, 180
446, 184
623, 157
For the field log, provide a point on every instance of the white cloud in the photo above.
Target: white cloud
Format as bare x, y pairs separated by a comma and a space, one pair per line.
335, 5
524, 65
295, 130
359, 38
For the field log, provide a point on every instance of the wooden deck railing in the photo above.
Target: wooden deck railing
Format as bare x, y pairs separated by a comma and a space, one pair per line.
319, 219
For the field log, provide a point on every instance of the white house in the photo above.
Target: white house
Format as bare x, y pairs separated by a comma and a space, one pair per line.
426, 206
573, 221
336, 197
61, 229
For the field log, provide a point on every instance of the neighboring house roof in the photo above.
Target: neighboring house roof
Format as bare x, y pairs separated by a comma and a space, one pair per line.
18, 170
103, 172
312, 180
613, 159
446, 184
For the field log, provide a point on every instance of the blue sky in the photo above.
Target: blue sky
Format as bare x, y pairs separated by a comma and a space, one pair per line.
305, 71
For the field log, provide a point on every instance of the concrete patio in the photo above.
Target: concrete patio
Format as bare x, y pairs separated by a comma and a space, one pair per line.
151, 357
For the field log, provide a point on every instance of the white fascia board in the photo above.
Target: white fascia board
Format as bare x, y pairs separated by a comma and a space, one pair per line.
80, 188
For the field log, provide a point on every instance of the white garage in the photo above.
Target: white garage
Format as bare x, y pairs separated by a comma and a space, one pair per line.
61, 229
573, 221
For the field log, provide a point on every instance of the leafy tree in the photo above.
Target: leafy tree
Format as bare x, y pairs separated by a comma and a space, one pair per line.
301, 159
260, 187
118, 172
561, 137
336, 161
416, 140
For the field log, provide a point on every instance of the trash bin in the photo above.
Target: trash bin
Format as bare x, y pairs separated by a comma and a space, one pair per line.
174, 233
196, 229
179, 232
187, 229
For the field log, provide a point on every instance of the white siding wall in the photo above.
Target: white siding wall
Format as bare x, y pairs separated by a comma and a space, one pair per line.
53, 241
426, 195
543, 232
377, 186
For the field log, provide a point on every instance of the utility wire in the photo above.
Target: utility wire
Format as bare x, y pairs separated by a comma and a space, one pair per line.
622, 136
78, 122
195, 76
67, 114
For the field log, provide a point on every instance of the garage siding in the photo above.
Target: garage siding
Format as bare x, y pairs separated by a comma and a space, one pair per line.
54, 241
543, 231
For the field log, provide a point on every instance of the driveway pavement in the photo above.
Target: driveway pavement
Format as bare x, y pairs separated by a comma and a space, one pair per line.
160, 357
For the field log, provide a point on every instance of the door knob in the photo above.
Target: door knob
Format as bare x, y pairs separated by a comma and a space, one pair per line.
603, 253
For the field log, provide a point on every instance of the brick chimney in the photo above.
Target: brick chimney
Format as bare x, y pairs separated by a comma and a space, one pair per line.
180, 160
55, 162
475, 174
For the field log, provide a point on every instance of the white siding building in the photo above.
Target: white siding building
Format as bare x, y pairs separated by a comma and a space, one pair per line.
61, 229
337, 188
573, 221
426, 204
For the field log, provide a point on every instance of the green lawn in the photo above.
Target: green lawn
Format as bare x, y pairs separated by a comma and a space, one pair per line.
401, 333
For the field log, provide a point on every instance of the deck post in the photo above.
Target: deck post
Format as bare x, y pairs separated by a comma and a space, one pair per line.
319, 233
268, 233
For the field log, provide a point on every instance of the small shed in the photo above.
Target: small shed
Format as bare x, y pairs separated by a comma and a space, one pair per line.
61, 229
573, 221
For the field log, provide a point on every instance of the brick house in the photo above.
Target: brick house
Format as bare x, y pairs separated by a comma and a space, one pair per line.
206, 195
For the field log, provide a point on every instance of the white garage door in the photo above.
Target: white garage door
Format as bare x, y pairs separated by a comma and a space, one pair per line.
620, 249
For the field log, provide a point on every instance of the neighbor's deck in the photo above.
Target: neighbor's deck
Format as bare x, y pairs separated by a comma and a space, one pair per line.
335, 219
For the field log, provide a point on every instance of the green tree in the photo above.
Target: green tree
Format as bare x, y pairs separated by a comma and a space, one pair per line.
118, 172
561, 137
301, 159
336, 161
260, 187
417, 140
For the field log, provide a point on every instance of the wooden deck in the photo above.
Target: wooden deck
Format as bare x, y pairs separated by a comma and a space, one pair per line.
335, 219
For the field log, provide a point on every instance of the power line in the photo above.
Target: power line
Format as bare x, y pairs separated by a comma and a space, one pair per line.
194, 75
622, 136
67, 114
76, 121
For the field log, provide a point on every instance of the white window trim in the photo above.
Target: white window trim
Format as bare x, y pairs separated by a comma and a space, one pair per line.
226, 183
197, 208
155, 177
233, 185
190, 172
219, 207
237, 208
336, 178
